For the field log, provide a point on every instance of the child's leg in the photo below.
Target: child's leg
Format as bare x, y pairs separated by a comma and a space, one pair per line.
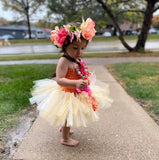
66, 140
71, 131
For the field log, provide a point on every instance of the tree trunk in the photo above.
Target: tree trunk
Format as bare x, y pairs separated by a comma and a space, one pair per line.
28, 23
109, 12
114, 31
28, 18
140, 45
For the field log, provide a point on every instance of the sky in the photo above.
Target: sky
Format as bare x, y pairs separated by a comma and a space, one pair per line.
9, 15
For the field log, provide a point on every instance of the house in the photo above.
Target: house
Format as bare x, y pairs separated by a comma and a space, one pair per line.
15, 31
20, 31
126, 27
129, 26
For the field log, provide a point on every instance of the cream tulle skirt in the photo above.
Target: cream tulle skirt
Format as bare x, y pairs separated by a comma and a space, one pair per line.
57, 106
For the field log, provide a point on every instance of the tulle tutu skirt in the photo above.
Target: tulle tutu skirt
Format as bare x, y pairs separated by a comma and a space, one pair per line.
58, 106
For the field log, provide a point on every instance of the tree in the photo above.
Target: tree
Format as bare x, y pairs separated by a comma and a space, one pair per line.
24, 7
151, 7
66, 11
117, 11
3, 21
43, 24
155, 22
72, 11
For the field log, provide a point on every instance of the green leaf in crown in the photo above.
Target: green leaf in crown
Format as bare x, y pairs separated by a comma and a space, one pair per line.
73, 28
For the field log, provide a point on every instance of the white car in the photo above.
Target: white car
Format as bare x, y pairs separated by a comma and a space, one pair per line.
32, 36
134, 32
7, 36
106, 34
152, 31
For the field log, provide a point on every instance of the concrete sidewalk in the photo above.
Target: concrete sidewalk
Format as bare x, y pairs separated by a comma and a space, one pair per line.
90, 61
125, 132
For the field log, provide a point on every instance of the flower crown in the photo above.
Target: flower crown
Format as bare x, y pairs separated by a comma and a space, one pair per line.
59, 36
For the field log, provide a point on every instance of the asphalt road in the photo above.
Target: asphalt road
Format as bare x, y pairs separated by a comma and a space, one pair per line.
93, 46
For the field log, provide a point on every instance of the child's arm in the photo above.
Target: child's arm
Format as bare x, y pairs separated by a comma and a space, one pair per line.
61, 72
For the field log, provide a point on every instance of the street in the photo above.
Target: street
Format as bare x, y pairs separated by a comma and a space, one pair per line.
92, 46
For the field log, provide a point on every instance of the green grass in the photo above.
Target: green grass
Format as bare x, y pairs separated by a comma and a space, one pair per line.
95, 39
30, 41
141, 81
29, 57
153, 37
15, 84
86, 55
127, 37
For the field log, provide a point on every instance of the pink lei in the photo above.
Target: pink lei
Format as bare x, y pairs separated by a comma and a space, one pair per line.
85, 74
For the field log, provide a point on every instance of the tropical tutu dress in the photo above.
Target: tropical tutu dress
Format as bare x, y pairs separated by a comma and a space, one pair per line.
58, 104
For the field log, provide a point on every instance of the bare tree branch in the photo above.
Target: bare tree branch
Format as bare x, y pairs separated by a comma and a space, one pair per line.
109, 12
156, 8
22, 3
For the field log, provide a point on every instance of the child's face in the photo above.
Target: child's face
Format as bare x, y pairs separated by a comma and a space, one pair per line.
76, 48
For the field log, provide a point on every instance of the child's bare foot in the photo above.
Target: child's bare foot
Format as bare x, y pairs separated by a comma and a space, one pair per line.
71, 131
70, 142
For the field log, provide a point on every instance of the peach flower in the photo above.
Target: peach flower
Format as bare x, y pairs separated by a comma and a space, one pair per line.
87, 28
67, 26
53, 35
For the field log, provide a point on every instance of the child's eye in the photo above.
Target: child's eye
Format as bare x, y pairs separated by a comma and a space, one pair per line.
75, 48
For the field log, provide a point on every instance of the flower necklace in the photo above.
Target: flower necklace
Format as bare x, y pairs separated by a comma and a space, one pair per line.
85, 74
83, 71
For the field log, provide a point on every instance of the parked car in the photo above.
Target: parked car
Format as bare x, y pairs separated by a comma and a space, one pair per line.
134, 32
7, 36
127, 32
32, 36
152, 31
106, 34
41, 33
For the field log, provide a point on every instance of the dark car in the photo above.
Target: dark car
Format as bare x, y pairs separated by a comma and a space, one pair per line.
127, 32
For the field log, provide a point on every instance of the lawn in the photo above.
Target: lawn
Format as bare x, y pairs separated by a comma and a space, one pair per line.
85, 55
141, 81
95, 39
15, 84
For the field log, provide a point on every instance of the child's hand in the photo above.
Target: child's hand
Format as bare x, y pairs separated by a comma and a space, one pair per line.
81, 83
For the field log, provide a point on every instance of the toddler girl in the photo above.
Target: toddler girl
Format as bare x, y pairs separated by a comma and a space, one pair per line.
71, 100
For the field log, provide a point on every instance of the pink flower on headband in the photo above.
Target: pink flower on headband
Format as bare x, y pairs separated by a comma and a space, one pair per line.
61, 36
87, 28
